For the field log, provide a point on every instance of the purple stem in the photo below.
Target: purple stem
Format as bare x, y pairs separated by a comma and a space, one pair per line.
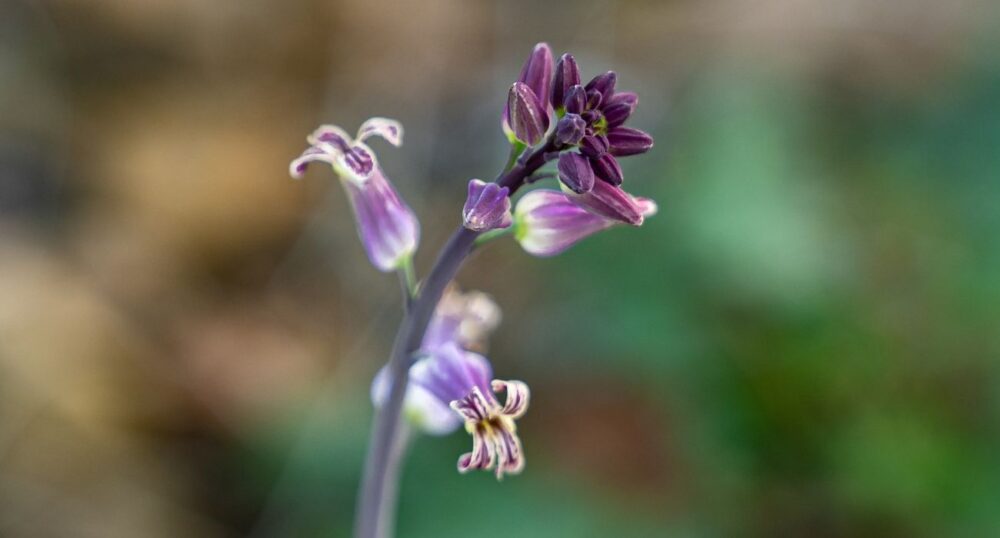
381, 473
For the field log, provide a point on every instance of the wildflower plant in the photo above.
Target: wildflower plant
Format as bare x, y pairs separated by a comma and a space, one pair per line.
437, 378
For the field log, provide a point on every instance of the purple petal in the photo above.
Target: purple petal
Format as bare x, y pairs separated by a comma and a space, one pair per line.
629, 98
527, 118
450, 373
357, 163
567, 75
509, 459
332, 135
391, 130
482, 456
570, 130
388, 228
473, 406
537, 72
576, 100
594, 146
625, 141
549, 222
517, 397
612, 202
575, 172
617, 114
312, 154
487, 207
606, 168
604, 84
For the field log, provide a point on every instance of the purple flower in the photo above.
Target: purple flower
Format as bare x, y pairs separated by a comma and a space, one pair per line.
603, 112
526, 114
388, 228
487, 207
462, 318
548, 222
452, 384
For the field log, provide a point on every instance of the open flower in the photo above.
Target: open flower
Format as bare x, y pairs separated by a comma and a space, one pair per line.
388, 228
452, 385
547, 222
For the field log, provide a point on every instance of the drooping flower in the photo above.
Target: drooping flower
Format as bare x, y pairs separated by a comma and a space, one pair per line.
452, 385
548, 222
463, 318
487, 207
526, 114
388, 229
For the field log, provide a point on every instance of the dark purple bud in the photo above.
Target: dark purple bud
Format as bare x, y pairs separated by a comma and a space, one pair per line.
487, 207
537, 71
527, 118
594, 146
606, 167
617, 114
605, 84
594, 99
612, 202
570, 130
628, 98
567, 75
575, 172
576, 100
591, 116
627, 141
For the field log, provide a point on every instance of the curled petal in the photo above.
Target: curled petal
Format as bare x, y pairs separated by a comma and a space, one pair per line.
517, 396
487, 207
332, 135
389, 129
483, 454
474, 406
509, 458
297, 168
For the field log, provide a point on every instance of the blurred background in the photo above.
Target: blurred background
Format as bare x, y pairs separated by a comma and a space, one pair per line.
804, 342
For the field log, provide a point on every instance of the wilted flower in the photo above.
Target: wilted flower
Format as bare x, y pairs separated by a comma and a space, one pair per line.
487, 207
463, 318
547, 222
388, 228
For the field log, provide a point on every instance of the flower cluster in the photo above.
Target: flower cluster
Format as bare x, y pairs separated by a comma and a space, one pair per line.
550, 115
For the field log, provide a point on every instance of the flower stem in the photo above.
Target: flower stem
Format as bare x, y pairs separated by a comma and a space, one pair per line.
376, 501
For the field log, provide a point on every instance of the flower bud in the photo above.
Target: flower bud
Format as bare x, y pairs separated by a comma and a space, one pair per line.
594, 146
616, 114
628, 98
576, 100
603, 84
537, 72
624, 141
549, 222
575, 172
527, 119
567, 75
570, 130
612, 202
606, 167
487, 207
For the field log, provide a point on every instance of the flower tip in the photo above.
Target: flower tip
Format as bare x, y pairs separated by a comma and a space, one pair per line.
525, 114
487, 207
